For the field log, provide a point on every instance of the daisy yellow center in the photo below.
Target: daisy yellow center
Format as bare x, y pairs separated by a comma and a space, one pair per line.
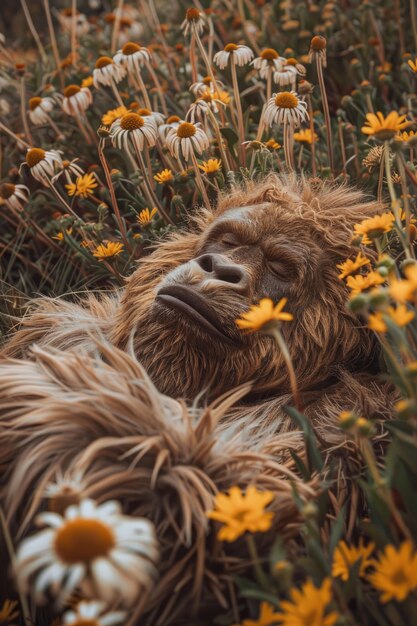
269, 54
192, 15
318, 43
291, 61
286, 100
103, 61
207, 80
186, 130
231, 47
398, 577
130, 48
34, 102
83, 540
144, 112
206, 96
173, 119
7, 190
71, 90
131, 121
35, 156
85, 622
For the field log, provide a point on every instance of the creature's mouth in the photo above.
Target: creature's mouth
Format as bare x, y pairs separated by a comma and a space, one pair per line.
188, 302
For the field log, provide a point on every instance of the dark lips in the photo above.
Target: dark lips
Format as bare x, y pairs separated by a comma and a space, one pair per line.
187, 301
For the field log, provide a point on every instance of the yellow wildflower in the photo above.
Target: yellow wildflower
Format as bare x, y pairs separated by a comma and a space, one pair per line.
60, 236
84, 186
241, 512
267, 617
407, 136
402, 290
87, 82
360, 283
8, 611
345, 557
384, 127
145, 217
395, 574
376, 322
211, 166
349, 266
413, 65
308, 606
271, 144
374, 227
305, 136
166, 176
262, 313
112, 115
107, 250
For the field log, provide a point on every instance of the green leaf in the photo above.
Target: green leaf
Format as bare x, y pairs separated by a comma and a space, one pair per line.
313, 454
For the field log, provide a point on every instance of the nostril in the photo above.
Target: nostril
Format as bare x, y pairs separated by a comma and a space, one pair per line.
205, 262
230, 274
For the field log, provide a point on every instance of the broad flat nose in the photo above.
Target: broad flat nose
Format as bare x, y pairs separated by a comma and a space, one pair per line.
221, 269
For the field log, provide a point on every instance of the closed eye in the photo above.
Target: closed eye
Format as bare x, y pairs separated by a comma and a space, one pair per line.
229, 239
281, 270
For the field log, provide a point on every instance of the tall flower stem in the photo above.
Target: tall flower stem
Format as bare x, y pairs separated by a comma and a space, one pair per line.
34, 32
143, 90
73, 30
150, 192
313, 141
259, 573
276, 333
413, 13
241, 127
115, 205
116, 25
199, 181
326, 111
61, 199
288, 145
12, 134
23, 109
53, 41
215, 126
159, 88
116, 93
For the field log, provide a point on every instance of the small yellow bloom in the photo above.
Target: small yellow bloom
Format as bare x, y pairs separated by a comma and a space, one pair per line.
112, 115
360, 283
395, 574
83, 187
374, 227
8, 611
87, 82
241, 512
401, 315
407, 136
211, 166
376, 322
349, 266
271, 144
308, 606
145, 217
413, 65
345, 557
107, 250
60, 236
403, 290
305, 136
262, 313
267, 617
384, 127
166, 176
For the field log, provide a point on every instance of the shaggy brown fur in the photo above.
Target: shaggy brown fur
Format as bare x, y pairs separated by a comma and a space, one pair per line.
97, 409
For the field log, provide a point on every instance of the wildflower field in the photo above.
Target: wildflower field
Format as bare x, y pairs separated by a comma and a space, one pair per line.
119, 121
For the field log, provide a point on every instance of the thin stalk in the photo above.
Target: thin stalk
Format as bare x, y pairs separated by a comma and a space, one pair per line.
61, 199
200, 182
259, 573
53, 41
143, 91
241, 128
288, 151
34, 32
215, 126
150, 192
115, 205
414, 21
380, 180
276, 333
193, 58
116, 25
73, 30
313, 141
159, 89
12, 134
116, 93
23, 110
342, 143
53, 126
319, 65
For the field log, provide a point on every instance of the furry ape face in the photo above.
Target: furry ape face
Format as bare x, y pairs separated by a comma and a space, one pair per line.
283, 238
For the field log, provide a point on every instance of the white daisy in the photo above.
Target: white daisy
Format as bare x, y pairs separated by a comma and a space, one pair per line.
93, 614
107, 72
268, 60
288, 74
66, 490
173, 121
285, 107
39, 109
157, 117
82, 25
204, 84
194, 21
94, 548
68, 168
133, 57
42, 163
76, 100
186, 139
132, 129
14, 196
241, 55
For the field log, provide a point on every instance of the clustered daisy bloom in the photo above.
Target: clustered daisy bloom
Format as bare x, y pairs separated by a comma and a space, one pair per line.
262, 314
39, 109
145, 216
240, 55
42, 163
107, 72
186, 139
76, 99
93, 547
133, 57
14, 196
134, 130
285, 107
241, 512
382, 127
83, 187
108, 250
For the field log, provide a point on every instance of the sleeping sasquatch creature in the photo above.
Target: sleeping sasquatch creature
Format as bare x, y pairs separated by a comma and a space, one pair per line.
176, 316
